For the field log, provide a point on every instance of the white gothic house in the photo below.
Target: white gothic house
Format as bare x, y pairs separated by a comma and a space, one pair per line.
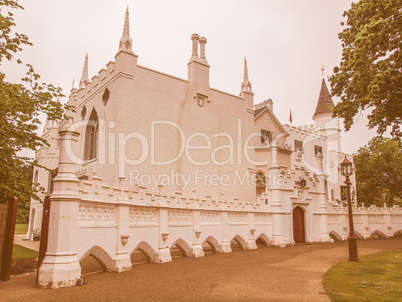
149, 161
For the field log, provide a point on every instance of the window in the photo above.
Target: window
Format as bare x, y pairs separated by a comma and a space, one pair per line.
91, 137
105, 96
265, 137
344, 193
317, 149
298, 145
35, 181
52, 175
260, 183
83, 112
332, 194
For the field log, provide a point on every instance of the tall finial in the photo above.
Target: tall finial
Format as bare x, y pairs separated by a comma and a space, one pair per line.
245, 77
84, 77
126, 43
246, 85
322, 70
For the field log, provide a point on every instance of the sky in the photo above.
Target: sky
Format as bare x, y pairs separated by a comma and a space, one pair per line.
285, 42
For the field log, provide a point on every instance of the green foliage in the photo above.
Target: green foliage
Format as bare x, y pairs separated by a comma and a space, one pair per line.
369, 75
379, 172
21, 228
375, 278
20, 106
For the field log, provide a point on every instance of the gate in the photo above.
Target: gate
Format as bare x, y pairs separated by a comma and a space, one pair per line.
7, 228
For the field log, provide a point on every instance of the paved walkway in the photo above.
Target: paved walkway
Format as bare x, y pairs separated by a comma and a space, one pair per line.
20, 240
266, 274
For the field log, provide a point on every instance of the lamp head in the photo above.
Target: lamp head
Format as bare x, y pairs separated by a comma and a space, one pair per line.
346, 167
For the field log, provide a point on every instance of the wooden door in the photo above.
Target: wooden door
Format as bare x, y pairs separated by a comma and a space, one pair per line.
298, 225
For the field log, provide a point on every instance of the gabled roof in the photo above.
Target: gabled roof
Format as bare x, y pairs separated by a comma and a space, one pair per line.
325, 104
259, 112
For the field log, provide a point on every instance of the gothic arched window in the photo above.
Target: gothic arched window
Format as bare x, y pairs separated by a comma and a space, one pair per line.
260, 183
92, 137
36, 177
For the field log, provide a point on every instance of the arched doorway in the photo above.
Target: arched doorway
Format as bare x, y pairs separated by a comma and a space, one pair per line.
298, 225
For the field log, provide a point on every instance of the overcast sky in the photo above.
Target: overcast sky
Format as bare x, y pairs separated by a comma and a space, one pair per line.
285, 43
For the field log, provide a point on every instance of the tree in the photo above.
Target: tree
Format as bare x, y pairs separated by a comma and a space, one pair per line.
369, 75
20, 106
379, 172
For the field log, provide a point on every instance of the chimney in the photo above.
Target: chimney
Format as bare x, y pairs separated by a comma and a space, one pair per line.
202, 42
198, 68
194, 38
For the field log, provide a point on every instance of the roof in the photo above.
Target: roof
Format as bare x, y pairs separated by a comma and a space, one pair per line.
325, 103
259, 112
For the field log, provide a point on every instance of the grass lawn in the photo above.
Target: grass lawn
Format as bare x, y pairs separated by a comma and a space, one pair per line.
21, 228
376, 277
20, 252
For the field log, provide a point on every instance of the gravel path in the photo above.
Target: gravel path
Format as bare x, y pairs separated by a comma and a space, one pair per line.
266, 274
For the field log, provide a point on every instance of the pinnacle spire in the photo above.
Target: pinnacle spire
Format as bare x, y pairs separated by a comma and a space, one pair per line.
246, 84
84, 77
325, 105
245, 70
125, 41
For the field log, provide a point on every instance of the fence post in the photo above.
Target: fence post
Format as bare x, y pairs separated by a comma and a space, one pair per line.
9, 240
3, 225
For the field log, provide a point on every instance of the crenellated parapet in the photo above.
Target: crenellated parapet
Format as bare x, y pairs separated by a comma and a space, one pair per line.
372, 209
92, 188
92, 87
305, 130
49, 151
261, 105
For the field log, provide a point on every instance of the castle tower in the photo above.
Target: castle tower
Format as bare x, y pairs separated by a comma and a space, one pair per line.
325, 124
325, 107
248, 96
328, 126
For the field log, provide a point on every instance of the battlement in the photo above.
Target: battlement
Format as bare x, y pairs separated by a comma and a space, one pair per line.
372, 209
92, 87
306, 130
92, 188
50, 134
263, 104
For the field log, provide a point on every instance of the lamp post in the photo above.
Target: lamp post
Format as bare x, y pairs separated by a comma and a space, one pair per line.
347, 170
